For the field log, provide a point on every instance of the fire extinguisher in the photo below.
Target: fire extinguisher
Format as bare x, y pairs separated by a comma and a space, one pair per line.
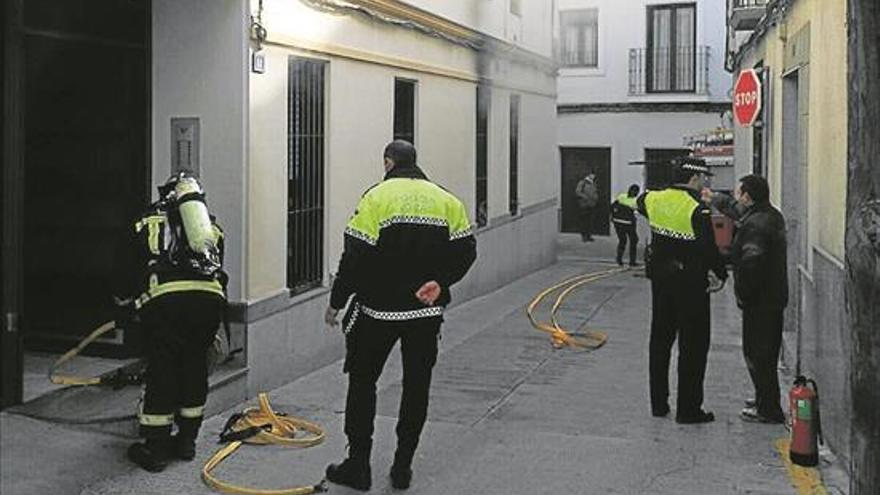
805, 424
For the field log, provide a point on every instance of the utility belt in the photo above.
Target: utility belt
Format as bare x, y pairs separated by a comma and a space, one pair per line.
672, 267
158, 287
622, 221
359, 309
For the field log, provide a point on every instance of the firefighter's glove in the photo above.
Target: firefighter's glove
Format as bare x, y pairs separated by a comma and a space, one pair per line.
330, 317
428, 293
715, 283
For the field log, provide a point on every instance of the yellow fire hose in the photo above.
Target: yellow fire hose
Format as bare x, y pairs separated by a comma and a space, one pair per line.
116, 378
269, 427
79, 380
559, 337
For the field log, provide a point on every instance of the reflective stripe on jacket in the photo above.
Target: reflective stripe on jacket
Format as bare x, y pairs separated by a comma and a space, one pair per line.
623, 210
406, 231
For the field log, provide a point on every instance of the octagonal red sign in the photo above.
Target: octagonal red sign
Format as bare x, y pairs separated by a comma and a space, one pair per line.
747, 97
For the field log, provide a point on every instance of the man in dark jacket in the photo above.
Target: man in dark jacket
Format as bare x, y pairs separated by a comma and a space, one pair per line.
587, 198
408, 241
758, 253
684, 268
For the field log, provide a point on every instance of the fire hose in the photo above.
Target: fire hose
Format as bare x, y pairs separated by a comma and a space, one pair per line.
559, 336
115, 379
261, 426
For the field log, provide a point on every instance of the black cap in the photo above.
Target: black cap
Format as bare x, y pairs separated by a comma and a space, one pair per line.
695, 165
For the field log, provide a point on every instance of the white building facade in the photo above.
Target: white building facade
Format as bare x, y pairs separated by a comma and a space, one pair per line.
295, 111
637, 77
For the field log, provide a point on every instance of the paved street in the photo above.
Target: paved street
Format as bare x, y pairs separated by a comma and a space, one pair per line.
509, 414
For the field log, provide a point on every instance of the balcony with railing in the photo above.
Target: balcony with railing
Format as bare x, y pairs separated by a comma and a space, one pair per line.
682, 70
745, 14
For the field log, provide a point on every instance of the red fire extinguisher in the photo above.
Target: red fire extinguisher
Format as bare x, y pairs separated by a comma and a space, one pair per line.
805, 425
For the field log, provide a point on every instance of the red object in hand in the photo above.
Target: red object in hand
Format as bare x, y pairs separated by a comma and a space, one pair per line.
428, 293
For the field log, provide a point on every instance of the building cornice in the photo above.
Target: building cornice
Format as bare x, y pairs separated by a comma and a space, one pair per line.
402, 14
645, 107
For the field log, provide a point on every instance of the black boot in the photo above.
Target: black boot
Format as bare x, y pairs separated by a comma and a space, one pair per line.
184, 447
152, 455
401, 470
354, 471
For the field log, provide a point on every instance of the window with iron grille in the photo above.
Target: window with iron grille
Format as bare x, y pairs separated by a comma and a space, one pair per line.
580, 37
405, 110
672, 54
482, 213
305, 173
514, 154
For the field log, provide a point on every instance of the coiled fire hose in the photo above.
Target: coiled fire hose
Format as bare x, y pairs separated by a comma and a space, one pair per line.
560, 337
261, 426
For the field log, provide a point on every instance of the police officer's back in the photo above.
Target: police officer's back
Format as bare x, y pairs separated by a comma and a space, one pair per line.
407, 243
684, 266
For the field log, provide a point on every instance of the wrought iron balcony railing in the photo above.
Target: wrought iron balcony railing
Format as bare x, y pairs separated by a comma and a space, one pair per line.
669, 70
745, 14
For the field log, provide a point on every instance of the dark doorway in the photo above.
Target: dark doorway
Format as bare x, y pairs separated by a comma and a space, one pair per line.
85, 154
658, 166
576, 162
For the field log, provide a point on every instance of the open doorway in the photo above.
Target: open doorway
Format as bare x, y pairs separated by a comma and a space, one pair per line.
576, 163
82, 153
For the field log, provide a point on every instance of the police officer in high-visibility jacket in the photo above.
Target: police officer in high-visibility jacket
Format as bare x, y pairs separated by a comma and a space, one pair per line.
684, 267
407, 243
178, 289
623, 216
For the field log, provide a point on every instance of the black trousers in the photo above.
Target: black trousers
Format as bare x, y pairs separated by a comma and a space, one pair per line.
626, 232
762, 340
369, 344
587, 214
179, 329
680, 308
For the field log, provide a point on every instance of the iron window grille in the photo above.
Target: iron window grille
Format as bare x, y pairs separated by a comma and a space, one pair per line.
305, 174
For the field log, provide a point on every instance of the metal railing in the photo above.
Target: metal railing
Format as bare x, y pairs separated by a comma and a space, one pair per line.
746, 4
669, 70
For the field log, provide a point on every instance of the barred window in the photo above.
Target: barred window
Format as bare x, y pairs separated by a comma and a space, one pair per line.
405, 110
305, 173
482, 116
514, 154
580, 37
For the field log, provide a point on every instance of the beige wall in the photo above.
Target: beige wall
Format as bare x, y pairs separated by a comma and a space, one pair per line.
364, 58
827, 134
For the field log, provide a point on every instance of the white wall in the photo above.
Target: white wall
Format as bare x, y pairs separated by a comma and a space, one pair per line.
628, 134
623, 26
364, 58
532, 30
199, 52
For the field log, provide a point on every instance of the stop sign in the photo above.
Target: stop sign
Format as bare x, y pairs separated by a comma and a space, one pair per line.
747, 97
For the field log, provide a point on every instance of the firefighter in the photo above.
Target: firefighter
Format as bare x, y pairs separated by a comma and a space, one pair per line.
623, 215
170, 273
684, 267
408, 241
